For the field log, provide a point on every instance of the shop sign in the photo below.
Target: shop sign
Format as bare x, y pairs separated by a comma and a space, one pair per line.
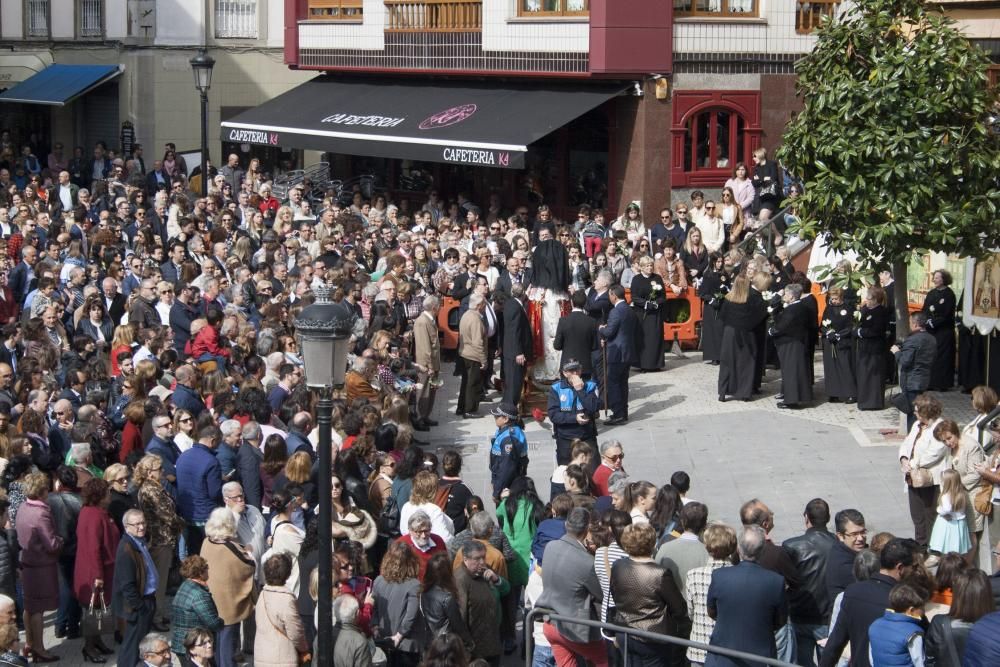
486, 158
253, 137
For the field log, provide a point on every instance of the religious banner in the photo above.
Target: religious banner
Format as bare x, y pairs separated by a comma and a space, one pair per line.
981, 303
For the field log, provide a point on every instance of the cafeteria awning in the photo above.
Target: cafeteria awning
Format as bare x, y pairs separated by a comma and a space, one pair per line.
474, 123
59, 85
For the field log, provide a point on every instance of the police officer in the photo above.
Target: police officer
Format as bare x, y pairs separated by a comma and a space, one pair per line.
573, 406
509, 450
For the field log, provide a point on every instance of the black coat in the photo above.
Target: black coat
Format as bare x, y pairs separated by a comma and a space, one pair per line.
739, 348
649, 308
838, 351
620, 333
116, 309
791, 333
915, 359
248, 460
516, 332
463, 285
870, 359
598, 306
939, 307
576, 337
130, 581
810, 602
864, 602
504, 283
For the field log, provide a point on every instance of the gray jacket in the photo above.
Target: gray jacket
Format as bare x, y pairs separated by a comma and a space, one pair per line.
397, 609
350, 647
915, 358
572, 588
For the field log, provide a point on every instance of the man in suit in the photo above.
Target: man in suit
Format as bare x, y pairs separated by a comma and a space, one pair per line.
576, 336
157, 179
427, 354
747, 603
133, 593
154, 651
114, 302
618, 339
22, 277
810, 605
514, 275
466, 282
170, 270
866, 601
517, 344
914, 359
10, 348
570, 588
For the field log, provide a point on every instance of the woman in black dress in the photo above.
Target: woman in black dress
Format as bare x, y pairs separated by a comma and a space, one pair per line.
648, 299
870, 359
939, 307
837, 328
713, 288
790, 332
740, 315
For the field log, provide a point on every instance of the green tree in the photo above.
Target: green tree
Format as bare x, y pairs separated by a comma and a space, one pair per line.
895, 143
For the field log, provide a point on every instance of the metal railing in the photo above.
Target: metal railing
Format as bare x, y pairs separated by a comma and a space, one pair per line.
762, 238
38, 18
626, 633
434, 15
236, 19
91, 23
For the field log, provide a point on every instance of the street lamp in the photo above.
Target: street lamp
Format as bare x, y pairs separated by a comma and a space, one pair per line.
202, 65
324, 328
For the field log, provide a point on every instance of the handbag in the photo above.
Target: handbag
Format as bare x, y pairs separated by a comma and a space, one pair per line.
982, 499
918, 478
97, 621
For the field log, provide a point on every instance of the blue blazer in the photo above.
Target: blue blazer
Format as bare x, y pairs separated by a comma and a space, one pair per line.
620, 332
748, 604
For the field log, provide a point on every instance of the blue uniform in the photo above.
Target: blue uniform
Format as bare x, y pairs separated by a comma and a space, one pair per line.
508, 457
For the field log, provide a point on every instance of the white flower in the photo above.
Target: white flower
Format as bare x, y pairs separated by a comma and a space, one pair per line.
932, 309
826, 323
843, 312
655, 287
770, 309
767, 295
941, 301
868, 318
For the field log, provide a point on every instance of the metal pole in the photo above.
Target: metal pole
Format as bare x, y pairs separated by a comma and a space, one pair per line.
324, 417
204, 143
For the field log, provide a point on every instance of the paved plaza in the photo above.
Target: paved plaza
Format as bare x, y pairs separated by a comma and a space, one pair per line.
733, 451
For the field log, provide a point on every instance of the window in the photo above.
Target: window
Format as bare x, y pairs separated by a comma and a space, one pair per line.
335, 10
716, 8
711, 131
713, 138
236, 19
809, 14
38, 18
91, 24
433, 15
533, 8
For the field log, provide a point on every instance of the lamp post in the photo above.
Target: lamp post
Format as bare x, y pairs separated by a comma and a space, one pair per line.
202, 65
324, 328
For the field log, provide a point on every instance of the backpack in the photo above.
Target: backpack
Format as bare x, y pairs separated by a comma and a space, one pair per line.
444, 495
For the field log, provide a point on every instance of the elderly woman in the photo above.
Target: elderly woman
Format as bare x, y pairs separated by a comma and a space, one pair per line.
193, 606
720, 543
647, 598
648, 299
397, 602
97, 539
922, 459
163, 525
359, 381
40, 547
984, 400
116, 475
425, 486
199, 647
280, 640
231, 580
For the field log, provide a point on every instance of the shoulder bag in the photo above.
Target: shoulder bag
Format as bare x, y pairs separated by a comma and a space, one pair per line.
918, 478
304, 658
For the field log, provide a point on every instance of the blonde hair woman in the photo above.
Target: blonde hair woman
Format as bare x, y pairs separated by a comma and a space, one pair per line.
425, 485
121, 341
740, 315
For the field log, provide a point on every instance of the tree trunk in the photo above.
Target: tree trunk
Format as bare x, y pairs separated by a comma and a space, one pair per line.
899, 267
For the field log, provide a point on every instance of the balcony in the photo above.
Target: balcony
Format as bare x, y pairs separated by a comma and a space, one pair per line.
808, 15
434, 16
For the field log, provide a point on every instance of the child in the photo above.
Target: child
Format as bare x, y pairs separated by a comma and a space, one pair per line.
951, 530
898, 638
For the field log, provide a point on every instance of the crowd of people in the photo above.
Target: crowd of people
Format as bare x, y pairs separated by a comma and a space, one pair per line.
158, 443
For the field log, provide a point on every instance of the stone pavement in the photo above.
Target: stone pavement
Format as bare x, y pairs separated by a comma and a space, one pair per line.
733, 451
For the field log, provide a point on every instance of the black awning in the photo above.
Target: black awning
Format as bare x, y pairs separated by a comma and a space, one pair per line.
474, 123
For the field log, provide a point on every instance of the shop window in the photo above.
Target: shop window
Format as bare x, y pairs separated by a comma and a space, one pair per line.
714, 140
335, 10
37, 18
809, 14
716, 8
91, 23
539, 8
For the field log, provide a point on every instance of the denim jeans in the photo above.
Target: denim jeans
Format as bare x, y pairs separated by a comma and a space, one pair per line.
784, 638
69, 614
806, 636
226, 645
542, 657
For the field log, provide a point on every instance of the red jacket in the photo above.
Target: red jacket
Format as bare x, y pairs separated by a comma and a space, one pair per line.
206, 341
424, 556
96, 546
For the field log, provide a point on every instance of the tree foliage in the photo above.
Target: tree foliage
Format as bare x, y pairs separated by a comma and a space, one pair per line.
893, 143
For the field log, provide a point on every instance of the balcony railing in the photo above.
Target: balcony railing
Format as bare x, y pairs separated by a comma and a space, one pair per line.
434, 15
236, 19
38, 18
809, 14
